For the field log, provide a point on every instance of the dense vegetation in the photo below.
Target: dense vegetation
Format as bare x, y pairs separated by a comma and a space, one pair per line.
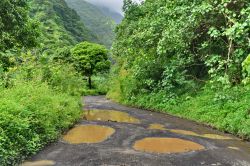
13, 31
40, 84
38, 101
95, 20
188, 58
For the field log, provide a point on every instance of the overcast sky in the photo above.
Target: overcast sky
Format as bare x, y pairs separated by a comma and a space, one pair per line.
115, 5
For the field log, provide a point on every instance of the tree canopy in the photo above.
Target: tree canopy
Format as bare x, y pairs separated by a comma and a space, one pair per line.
173, 44
90, 59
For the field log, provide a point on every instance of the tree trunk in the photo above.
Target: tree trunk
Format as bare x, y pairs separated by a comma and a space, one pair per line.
90, 83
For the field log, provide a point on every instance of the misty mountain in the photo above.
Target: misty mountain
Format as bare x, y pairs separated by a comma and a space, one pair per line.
112, 5
60, 25
111, 8
95, 19
117, 17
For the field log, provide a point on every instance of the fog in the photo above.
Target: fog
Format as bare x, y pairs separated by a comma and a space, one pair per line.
115, 5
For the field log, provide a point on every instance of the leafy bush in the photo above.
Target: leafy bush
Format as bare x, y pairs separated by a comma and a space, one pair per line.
101, 83
39, 99
32, 114
61, 77
246, 69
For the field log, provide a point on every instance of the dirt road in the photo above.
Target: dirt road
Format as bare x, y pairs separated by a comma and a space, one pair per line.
114, 135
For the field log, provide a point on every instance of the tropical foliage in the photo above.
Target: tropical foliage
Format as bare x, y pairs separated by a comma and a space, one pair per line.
167, 51
39, 85
190, 58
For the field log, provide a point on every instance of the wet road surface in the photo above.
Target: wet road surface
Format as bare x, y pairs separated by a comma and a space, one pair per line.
110, 134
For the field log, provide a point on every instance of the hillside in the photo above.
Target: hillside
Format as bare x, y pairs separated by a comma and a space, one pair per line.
110, 8
117, 17
60, 25
95, 20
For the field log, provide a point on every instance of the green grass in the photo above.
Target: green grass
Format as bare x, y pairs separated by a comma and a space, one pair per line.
226, 110
32, 115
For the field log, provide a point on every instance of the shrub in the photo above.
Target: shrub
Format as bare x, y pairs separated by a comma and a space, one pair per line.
246, 70
63, 78
32, 114
101, 83
39, 100
226, 110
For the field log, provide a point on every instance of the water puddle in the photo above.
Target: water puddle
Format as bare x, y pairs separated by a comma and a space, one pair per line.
156, 126
110, 115
210, 136
39, 163
234, 148
215, 136
166, 145
88, 134
184, 132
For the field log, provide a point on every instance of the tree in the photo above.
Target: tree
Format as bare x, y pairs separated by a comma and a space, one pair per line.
90, 58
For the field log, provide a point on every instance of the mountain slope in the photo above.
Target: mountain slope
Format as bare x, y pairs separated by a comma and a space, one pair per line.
117, 17
60, 25
109, 8
95, 20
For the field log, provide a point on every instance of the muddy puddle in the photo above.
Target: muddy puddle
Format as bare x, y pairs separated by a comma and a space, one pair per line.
184, 132
210, 136
215, 136
88, 134
166, 145
39, 163
234, 148
110, 115
156, 126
